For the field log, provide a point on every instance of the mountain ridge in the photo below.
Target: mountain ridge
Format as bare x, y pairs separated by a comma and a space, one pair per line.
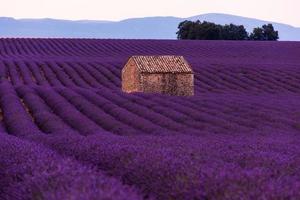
132, 28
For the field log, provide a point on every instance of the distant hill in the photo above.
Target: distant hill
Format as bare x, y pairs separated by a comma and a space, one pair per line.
135, 28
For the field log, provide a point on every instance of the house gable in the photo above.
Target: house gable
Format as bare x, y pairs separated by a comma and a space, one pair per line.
130, 77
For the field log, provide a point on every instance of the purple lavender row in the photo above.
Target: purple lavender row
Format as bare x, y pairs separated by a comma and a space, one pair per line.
114, 68
96, 114
216, 51
248, 111
75, 76
26, 74
2, 72
189, 119
90, 80
63, 77
121, 113
104, 81
37, 74
94, 81
112, 78
16, 119
140, 110
13, 74
192, 114
49, 75
186, 167
43, 116
69, 113
31, 171
212, 114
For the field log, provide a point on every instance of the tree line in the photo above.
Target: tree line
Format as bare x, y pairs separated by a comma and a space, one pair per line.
210, 31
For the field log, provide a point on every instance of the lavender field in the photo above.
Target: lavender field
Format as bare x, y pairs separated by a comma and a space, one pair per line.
67, 131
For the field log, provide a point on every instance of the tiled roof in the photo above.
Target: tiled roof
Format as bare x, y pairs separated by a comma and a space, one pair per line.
162, 64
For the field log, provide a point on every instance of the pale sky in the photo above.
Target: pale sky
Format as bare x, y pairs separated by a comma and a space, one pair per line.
285, 11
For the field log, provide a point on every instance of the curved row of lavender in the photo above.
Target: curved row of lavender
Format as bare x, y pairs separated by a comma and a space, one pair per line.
64, 117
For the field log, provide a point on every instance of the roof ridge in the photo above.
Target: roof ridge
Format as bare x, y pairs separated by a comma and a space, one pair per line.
162, 63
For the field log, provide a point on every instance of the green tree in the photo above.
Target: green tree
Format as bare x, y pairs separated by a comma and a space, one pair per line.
198, 31
257, 34
266, 32
184, 29
187, 30
270, 33
210, 31
234, 32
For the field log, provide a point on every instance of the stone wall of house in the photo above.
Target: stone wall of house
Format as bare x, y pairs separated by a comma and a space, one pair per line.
181, 84
130, 77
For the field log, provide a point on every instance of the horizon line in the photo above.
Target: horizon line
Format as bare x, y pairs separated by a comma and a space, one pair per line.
158, 16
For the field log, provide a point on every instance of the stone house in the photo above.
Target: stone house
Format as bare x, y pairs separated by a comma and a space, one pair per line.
166, 74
